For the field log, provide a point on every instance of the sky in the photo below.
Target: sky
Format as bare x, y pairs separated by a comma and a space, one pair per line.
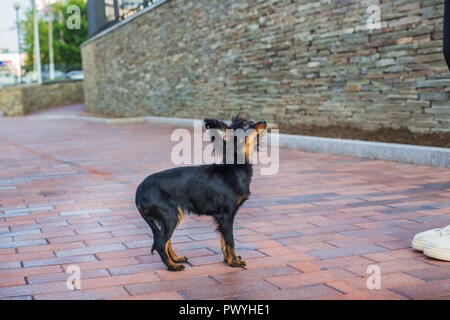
8, 31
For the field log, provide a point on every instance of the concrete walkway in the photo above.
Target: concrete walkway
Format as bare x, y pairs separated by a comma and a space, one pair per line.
309, 232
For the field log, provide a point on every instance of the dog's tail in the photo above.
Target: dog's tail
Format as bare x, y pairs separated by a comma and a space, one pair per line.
155, 230
151, 222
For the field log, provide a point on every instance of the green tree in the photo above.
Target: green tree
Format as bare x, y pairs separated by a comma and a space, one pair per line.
66, 42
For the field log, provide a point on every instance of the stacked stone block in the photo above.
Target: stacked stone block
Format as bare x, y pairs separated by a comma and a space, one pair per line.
21, 100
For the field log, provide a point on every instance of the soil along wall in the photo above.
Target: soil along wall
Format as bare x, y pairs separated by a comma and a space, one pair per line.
288, 62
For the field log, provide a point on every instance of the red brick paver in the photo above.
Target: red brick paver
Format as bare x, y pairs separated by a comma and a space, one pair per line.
309, 232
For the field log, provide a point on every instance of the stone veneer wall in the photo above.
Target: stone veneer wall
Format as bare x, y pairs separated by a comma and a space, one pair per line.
20, 100
295, 62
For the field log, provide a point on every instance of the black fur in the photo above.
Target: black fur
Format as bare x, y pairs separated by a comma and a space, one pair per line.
216, 190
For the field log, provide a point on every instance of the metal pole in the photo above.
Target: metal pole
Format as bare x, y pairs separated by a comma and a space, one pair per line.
50, 45
37, 49
446, 33
17, 7
116, 10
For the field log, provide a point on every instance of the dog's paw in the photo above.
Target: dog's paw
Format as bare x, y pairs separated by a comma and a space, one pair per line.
182, 260
176, 267
238, 263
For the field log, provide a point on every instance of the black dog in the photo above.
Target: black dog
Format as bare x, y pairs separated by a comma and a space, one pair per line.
216, 190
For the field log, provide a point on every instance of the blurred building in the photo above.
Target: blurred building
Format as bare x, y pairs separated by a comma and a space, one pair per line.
10, 63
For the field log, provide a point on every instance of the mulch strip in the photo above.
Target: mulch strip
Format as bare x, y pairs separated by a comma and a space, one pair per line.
403, 135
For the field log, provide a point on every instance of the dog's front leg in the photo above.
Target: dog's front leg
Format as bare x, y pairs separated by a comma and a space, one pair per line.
227, 243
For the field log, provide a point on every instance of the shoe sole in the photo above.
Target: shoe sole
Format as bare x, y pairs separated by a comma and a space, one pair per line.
437, 253
418, 244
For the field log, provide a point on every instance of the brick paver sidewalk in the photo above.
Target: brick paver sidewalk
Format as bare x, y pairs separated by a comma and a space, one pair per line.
67, 198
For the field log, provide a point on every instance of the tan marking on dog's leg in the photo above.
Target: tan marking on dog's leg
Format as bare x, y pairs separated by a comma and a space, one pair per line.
172, 265
233, 259
229, 257
166, 250
223, 247
172, 254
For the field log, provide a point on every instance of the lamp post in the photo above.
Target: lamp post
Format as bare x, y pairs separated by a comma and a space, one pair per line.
37, 49
49, 17
17, 7
50, 44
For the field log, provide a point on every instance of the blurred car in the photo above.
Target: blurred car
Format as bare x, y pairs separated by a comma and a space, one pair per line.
75, 75
59, 75
30, 77
7, 79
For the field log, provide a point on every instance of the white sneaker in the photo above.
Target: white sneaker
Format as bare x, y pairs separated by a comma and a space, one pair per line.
422, 238
438, 248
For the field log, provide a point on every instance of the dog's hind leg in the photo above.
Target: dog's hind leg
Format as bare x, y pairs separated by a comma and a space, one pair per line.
155, 230
172, 254
168, 226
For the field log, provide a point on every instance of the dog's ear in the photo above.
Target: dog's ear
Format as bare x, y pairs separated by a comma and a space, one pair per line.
260, 126
215, 124
241, 116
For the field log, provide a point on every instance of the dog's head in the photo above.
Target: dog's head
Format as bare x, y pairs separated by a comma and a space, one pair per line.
240, 137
